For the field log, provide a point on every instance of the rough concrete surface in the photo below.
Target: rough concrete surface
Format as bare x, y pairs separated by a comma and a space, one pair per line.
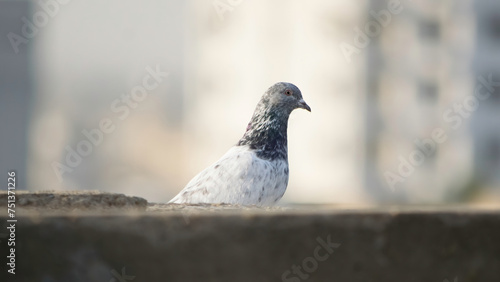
57, 201
228, 243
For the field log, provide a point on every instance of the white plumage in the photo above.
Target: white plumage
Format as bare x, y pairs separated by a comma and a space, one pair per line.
239, 177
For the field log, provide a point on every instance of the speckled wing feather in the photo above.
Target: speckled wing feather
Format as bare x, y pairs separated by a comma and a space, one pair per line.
239, 177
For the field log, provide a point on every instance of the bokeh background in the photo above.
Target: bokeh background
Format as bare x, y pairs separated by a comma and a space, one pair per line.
374, 88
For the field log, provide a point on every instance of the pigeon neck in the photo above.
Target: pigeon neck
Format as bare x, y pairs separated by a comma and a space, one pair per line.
267, 134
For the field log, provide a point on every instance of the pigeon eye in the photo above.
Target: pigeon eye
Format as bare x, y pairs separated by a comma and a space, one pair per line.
288, 92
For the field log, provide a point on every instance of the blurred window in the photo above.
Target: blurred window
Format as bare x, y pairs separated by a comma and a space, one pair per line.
493, 150
494, 27
430, 29
428, 91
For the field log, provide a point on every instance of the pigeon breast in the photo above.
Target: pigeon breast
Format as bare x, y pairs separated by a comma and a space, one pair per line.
239, 177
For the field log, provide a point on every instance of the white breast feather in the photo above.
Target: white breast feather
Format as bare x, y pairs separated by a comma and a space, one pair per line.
239, 177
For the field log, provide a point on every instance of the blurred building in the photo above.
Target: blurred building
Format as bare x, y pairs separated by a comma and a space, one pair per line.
16, 95
421, 74
486, 122
368, 112
89, 55
416, 69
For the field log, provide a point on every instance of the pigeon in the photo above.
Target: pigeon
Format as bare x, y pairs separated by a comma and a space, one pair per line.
255, 170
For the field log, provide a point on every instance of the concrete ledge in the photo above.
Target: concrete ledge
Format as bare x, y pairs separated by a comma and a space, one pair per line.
58, 201
227, 243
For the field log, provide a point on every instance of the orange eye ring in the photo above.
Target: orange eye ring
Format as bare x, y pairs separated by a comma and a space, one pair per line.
288, 92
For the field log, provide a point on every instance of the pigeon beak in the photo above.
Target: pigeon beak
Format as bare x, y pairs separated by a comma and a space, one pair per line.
303, 105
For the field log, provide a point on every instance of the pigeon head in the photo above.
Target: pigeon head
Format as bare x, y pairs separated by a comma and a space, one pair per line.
284, 97
267, 131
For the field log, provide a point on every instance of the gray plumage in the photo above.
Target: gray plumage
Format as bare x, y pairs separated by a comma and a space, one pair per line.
255, 170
